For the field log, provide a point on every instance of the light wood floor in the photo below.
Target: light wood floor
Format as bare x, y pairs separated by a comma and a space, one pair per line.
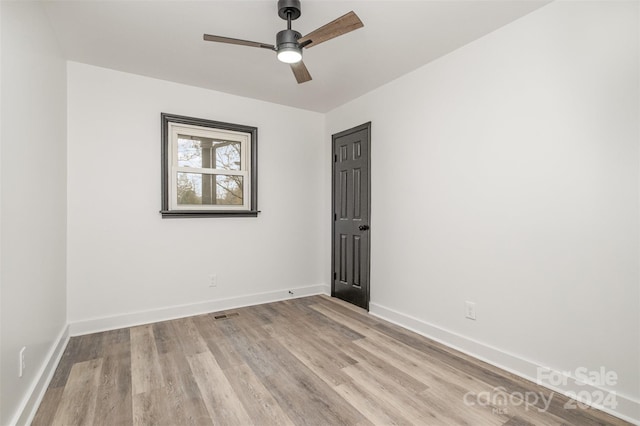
309, 361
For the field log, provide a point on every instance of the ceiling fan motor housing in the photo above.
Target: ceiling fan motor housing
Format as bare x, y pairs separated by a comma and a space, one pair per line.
289, 9
287, 39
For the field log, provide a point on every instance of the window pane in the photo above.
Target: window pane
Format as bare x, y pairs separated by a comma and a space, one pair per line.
227, 155
204, 189
207, 153
229, 189
189, 151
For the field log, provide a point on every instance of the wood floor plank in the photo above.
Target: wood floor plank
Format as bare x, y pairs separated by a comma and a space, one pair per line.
114, 402
323, 358
48, 407
225, 353
188, 338
78, 401
251, 324
317, 359
332, 313
165, 340
517, 421
149, 408
181, 392
376, 366
146, 373
316, 330
376, 408
311, 316
220, 399
267, 313
260, 405
71, 355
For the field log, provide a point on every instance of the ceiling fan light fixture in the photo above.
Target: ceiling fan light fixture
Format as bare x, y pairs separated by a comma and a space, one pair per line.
289, 51
289, 55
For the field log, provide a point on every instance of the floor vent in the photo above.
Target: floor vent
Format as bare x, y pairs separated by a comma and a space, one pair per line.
225, 316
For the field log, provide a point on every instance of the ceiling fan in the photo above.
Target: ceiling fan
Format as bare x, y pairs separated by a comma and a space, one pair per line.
289, 43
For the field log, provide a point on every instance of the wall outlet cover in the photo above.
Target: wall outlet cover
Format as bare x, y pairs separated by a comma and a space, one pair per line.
21, 361
470, 310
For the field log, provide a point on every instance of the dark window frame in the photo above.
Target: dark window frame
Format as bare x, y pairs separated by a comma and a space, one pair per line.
166, 211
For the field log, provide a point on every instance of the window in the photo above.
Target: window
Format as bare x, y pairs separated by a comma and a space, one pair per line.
209, 168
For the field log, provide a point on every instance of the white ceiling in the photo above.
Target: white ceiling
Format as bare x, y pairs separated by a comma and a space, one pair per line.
163, 39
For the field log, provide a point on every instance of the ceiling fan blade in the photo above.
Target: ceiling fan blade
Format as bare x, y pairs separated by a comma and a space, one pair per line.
335, 28
229, 40
301, 72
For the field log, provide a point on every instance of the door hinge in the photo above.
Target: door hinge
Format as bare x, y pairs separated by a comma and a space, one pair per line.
335, 216
335, 275
335, 158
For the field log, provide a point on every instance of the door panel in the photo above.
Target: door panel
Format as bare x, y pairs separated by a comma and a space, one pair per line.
351, 211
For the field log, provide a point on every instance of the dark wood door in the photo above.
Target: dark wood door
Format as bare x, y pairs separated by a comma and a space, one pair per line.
351, 200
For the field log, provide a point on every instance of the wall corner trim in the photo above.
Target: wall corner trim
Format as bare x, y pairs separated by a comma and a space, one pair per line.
33, 397
627, 408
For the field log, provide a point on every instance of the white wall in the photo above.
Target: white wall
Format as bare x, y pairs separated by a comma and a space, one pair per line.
506, 173
33, 201
123, 258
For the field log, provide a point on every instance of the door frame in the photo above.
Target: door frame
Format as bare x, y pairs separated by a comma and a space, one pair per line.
365, 126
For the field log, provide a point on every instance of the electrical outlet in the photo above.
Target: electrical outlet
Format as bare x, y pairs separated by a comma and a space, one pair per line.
213, 280
470, 310
22, 365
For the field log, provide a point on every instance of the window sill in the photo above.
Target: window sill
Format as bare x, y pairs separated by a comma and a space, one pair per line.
168, 214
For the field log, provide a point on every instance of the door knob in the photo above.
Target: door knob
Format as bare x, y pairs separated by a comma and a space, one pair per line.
363, 227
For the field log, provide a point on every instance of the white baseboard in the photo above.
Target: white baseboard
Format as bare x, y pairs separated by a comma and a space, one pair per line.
95, 325
627, 408
36, 391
